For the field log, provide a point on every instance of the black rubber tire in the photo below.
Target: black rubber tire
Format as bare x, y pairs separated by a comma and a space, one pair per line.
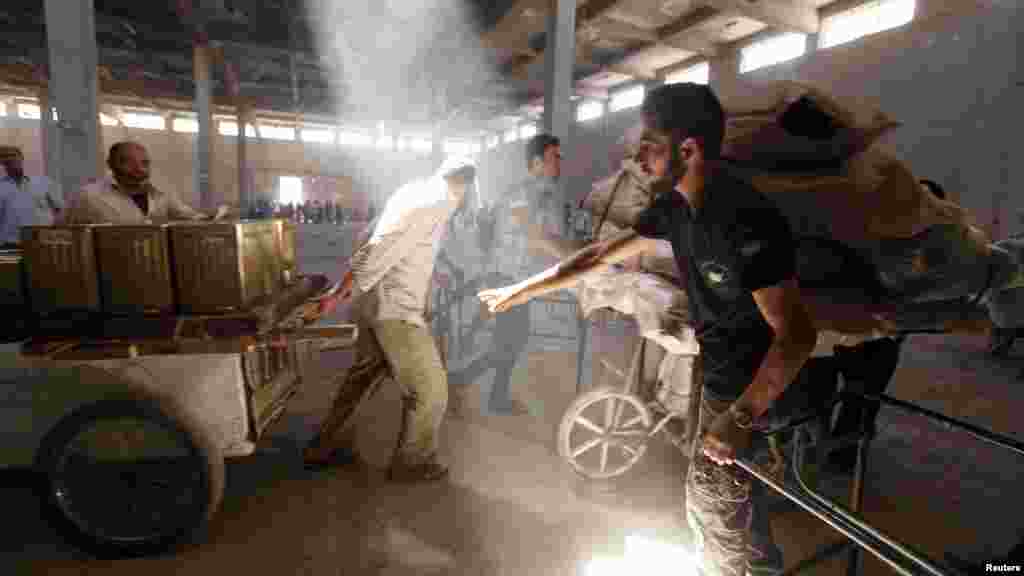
167, 414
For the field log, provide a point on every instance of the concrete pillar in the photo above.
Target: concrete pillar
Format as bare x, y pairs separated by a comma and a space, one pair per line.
559, 58
244, 181
71, 40
45, 128
437, 146
203, 151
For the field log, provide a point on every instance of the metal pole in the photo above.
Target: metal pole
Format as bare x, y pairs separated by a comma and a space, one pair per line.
245, 204
976, 431
898, 556
559, 60
204, 143
855, 559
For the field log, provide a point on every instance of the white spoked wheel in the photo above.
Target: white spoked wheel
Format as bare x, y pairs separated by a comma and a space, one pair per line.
604, 433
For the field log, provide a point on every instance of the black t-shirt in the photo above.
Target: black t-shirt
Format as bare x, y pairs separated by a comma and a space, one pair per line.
737, 243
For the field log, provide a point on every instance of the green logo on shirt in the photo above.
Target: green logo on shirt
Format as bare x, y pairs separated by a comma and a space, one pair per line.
714, 273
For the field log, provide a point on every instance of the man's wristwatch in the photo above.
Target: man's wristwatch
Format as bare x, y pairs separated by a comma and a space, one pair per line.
741, 417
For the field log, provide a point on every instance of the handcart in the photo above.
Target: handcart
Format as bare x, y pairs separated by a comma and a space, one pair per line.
604, 432
127, 421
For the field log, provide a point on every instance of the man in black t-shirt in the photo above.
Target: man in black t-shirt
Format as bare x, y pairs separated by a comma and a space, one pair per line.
738, 258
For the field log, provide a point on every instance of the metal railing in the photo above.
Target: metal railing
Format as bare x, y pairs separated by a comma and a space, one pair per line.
898, 555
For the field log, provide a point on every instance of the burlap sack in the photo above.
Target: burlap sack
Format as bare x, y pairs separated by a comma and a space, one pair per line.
795, 126
875, 196
630, 193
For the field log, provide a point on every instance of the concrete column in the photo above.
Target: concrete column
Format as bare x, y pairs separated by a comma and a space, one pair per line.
71, 40
559, 58
244, 182
203, 151
437, 146
45, 127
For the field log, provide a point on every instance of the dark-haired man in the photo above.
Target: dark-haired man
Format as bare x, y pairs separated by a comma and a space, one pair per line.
128, 197
528, 234
754, 332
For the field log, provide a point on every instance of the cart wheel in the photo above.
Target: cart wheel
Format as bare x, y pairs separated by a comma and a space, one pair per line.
130, 476
604, 433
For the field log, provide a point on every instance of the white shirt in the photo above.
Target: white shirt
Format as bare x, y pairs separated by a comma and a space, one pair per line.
102, 202
33, 202
392, 270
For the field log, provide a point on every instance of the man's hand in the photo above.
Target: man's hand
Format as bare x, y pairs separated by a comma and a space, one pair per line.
501, 299
724, 440
316, 309
223, 212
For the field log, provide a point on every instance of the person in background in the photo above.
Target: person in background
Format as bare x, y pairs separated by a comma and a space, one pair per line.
24, 200
754, 331
127, 196
390, 279
528, 236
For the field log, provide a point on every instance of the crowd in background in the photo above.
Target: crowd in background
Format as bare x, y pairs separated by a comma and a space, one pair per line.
314, 212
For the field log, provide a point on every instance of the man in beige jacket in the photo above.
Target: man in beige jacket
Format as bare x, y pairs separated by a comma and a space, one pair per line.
128, 197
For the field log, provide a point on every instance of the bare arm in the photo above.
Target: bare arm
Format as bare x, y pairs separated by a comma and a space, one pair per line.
595, 256
795, 338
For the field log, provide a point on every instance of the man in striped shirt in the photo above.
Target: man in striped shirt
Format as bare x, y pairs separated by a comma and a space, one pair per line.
390, 281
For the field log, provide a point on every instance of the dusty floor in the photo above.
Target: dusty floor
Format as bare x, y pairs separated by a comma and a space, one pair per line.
512, 507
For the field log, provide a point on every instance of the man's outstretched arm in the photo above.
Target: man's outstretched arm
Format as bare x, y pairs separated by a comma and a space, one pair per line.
566, 273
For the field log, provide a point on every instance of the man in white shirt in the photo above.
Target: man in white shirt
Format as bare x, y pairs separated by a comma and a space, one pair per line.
24, 200
128, 197
390, 280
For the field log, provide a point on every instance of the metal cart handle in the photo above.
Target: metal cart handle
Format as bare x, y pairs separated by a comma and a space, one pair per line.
901, 557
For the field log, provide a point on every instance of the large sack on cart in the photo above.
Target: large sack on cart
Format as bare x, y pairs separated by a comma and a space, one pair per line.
819, 159
615, 203
796, 127
647, 288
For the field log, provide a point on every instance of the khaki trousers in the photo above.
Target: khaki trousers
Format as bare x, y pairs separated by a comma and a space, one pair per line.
406, 353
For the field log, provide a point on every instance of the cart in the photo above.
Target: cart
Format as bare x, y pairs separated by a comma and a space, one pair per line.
127, 421
605, 431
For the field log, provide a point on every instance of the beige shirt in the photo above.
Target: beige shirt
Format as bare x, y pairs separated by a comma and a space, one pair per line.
393, 269
102, 202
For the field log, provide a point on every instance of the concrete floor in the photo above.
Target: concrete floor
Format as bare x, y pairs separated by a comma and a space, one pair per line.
512, 507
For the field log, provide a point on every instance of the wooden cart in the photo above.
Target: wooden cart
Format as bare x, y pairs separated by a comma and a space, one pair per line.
127, 422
